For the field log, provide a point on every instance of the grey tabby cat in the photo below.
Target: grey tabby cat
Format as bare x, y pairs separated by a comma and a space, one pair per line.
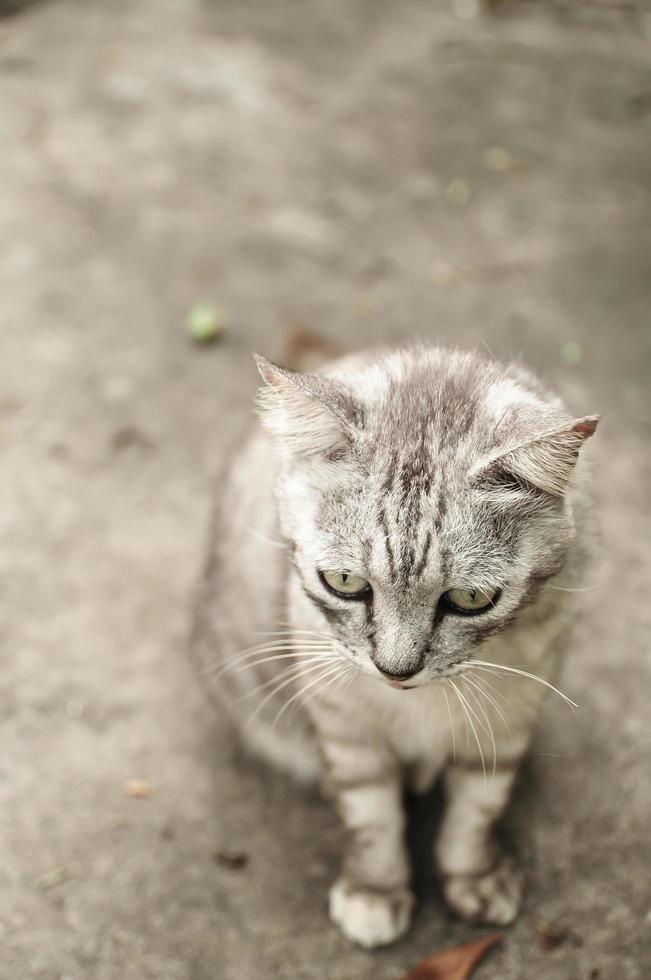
408, 531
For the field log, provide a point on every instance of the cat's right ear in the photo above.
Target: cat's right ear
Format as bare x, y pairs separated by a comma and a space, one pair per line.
310, 414
543, 464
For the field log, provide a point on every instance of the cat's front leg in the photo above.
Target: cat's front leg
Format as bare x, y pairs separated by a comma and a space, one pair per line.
480, 882
372, 901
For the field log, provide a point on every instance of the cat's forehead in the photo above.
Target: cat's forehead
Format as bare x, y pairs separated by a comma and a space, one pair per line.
440, 412
409, 524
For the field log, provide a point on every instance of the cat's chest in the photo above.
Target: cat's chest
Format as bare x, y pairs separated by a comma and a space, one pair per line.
415, 724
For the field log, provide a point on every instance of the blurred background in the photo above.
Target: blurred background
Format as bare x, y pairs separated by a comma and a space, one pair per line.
362, 172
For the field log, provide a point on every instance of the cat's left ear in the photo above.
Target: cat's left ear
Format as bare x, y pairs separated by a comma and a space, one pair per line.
311, 414
545, 463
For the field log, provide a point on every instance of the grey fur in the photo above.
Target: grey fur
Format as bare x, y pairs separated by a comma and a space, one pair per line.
420, 471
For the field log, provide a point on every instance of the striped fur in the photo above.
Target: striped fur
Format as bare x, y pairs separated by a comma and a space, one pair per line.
421, 471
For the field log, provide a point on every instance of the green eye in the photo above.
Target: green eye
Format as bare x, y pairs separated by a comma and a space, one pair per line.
346, 585
470, 601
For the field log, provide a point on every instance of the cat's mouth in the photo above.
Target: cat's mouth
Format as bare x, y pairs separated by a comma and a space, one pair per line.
440, 675
400, 685
422, 678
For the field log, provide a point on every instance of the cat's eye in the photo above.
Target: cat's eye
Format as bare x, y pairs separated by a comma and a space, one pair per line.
346, 585
471, 601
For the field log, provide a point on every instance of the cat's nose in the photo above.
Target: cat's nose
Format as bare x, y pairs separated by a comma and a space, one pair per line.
399, 653
403, 676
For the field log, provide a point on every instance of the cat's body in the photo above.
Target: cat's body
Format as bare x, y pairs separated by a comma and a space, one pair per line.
409, 480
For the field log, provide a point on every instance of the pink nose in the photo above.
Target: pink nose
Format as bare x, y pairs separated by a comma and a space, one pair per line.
398, 677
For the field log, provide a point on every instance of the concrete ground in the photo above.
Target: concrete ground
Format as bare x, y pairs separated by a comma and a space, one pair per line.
375, 170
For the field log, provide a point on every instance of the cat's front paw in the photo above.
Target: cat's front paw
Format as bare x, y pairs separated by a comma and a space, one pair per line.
492, 896
370, 917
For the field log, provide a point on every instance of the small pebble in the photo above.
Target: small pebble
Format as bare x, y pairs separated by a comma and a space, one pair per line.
571, 353
138, 788
552, 935
55, 876
234, 860
458, 192
204, 323
130, 437
497, 159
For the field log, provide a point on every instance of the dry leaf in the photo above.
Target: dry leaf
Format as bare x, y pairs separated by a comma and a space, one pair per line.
454, 964
305, 349
138, 788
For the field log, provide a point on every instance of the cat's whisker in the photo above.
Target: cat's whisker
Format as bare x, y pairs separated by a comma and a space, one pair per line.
280, 687
481, 724
285, 626
317, 635
465, 707
265, 540
344, 673
260, 657
292, 670
585, 588
287, 641
319, 658
286, 656
489, 598
288, 671
325, 673
351, 677
480, 688
250, 657
276, 644
314, 658
454, 740
522, 700
486, 717
522, 673
482, 684
215, 671
264, 648
498, 694
465, 719
465, 713
291, 631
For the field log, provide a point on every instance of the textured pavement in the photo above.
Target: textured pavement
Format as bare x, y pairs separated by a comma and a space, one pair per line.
377, 171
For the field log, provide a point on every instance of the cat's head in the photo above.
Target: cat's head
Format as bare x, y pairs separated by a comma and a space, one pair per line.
425, 497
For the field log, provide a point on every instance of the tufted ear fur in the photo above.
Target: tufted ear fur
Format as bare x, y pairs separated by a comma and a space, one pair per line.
544, 464
311, 414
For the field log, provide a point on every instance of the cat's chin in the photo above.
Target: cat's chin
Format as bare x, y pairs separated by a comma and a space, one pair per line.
400, 685
418, 685
405, 686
